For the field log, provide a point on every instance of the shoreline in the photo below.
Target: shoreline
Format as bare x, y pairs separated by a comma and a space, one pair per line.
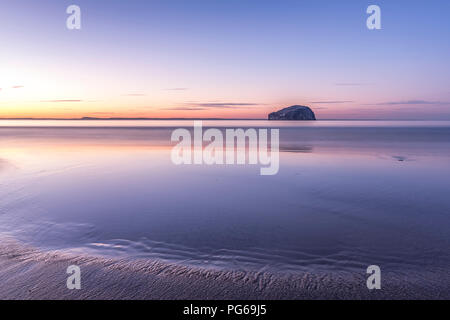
27, 273
214, 119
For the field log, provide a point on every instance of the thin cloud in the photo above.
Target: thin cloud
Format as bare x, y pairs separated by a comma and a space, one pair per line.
176, 89
332, 101
350, 84
185, 109
17, 87
224, 104
58, 101
412, 102
134, 95
102, 112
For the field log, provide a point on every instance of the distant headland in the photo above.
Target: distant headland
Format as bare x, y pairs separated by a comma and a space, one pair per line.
120, 118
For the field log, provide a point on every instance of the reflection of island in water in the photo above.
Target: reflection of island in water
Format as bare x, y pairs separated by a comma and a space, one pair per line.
296, 148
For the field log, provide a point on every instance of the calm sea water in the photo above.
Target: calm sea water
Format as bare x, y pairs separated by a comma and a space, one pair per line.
348, 194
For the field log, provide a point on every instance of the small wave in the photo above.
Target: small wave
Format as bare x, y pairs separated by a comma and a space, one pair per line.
28, 273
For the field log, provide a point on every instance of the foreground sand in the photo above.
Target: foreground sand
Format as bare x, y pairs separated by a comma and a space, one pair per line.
26, 273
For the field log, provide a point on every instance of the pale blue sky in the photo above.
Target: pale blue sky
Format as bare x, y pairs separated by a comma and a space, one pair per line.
225, 58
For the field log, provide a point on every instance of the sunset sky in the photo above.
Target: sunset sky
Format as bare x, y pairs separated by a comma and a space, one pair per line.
225, 59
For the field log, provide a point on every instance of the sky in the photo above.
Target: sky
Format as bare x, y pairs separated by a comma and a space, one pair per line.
224, 59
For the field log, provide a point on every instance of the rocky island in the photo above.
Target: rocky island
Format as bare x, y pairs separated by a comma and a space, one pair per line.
293, 113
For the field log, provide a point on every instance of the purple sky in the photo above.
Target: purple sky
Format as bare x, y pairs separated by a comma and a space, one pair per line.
233, 58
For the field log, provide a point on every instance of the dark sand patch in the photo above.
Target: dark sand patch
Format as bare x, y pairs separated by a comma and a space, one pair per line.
27, 273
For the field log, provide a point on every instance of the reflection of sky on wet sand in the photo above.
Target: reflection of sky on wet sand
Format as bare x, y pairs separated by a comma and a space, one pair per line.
342, 198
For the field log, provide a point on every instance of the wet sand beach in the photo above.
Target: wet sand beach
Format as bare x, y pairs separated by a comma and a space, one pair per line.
27, 273
109, 200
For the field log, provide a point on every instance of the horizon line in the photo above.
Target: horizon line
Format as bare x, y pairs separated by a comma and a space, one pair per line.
252, 119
